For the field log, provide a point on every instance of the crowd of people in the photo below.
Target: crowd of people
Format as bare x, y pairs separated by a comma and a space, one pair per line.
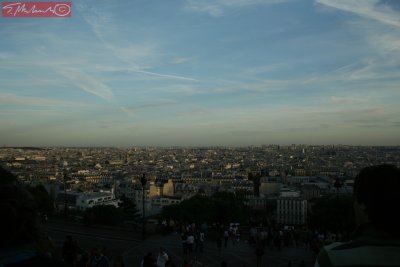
74, 256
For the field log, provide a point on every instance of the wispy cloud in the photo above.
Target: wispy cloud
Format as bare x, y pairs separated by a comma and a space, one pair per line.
180, 60
171, 76
338, 100
219, 7
136, 56
371, 9
196, 112
379, 26
88, 83
12, 99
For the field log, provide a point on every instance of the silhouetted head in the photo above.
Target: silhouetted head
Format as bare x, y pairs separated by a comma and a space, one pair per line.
377, 195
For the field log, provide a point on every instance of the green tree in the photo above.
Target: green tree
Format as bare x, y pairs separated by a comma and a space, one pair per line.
43, 200
256, 179
6, 177
129, 209
229, 208
333, 213
222, 207
103, 214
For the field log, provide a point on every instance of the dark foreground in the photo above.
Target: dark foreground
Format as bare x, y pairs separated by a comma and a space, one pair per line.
129, 245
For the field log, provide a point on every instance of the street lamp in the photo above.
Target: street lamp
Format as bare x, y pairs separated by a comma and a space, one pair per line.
65, 196
337, 185
143, 180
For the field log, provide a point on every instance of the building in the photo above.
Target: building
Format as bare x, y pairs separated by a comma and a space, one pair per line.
270, 185
257, 203
291, 210
158, 203
90, 199
85, 200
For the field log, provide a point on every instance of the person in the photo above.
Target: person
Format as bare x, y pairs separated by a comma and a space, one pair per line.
118, 261
201, 241
185, 263
259, 253
98, 259
190, 241
162, 258
376, 241
195, 262
23, 240
148, 260
226, 236
69, 251
184, 243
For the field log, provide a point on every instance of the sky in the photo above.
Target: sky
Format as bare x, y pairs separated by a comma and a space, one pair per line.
203, 73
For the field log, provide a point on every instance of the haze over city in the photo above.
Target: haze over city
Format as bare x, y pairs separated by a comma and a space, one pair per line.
199, 73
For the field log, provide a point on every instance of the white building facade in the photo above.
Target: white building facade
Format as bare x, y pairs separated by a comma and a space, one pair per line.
291, 211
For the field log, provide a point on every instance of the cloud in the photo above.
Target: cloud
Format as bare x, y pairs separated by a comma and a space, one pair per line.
178, 77
137, 56
217, 8
88, 83
197, 112
12, 99
379, 26
347, 100
181, 60
371, 9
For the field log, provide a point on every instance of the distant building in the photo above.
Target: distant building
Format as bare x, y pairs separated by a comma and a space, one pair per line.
257, 203
291, 211
91, 199
83, 201
158, 203
288, 192
125, 188
310, 191
156, 189
270, 185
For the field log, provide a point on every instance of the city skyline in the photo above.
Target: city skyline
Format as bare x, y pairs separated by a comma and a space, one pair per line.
203, 73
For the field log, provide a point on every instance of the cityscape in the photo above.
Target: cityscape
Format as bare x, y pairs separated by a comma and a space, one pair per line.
198, 132
175, 174
290, 179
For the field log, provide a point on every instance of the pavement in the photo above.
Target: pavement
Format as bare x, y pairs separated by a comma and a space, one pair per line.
132, 248
238, 255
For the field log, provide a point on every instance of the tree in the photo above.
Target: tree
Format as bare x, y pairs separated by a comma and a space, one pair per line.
43, 200
229, 208
333, 213
6, 177
222, 207
256, 179
129, 209
103, 214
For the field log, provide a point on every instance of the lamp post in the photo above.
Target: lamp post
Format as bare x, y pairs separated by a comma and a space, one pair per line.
143, 180
337, 185
65, 196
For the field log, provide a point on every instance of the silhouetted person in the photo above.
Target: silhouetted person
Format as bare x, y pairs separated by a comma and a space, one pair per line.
376, 241
69, 251
148, 260
23, 241
162, 258
97, 259
259, 253
118, 261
